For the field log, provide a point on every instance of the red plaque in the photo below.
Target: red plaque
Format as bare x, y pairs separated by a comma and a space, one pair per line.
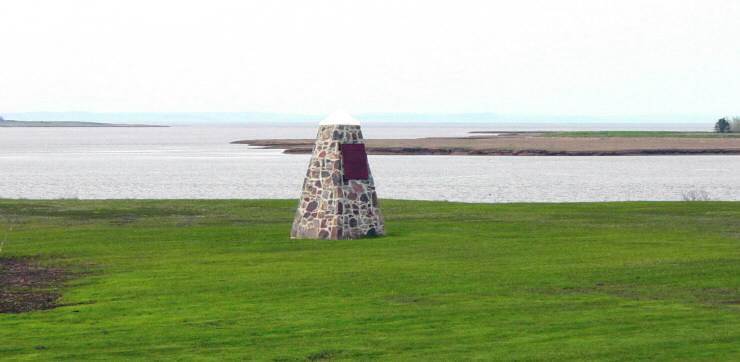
354, 158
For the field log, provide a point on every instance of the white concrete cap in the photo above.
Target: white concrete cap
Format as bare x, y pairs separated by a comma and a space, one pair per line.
339, 117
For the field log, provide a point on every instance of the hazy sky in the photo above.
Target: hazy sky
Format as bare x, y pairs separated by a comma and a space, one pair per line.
528, 57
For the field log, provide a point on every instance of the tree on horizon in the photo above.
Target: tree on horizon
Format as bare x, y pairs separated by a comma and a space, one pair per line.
722, 126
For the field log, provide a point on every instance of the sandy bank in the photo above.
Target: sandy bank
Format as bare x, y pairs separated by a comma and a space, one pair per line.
526, 145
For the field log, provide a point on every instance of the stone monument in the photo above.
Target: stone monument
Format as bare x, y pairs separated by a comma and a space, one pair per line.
338, 200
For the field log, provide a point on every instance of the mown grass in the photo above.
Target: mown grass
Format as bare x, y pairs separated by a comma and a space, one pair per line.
220, 280
672, 134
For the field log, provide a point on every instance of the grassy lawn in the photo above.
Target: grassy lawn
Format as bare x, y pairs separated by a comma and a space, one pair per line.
642, 134
215, 280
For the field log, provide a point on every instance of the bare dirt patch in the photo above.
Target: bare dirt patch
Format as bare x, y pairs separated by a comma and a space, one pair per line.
26, 285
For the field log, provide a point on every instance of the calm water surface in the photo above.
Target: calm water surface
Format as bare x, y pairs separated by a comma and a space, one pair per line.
199, 162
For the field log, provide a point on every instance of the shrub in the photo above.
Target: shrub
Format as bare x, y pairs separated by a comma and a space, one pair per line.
735, 125
696, 195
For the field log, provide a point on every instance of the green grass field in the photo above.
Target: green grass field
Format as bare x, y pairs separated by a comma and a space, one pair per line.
661, 134
220, 280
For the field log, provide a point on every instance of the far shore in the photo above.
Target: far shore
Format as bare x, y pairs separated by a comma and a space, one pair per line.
535, 144
11, 123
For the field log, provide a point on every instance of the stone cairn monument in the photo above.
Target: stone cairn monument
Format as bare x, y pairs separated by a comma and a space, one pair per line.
338, 199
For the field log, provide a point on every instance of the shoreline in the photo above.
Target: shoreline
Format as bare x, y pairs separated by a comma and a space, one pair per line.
518, 144
50, 124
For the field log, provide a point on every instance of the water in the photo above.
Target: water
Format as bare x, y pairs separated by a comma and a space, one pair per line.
199, 162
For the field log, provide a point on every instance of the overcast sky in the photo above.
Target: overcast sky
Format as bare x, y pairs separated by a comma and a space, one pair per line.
523, 57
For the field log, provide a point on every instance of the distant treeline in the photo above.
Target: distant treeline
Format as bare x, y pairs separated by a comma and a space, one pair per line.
727, 124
